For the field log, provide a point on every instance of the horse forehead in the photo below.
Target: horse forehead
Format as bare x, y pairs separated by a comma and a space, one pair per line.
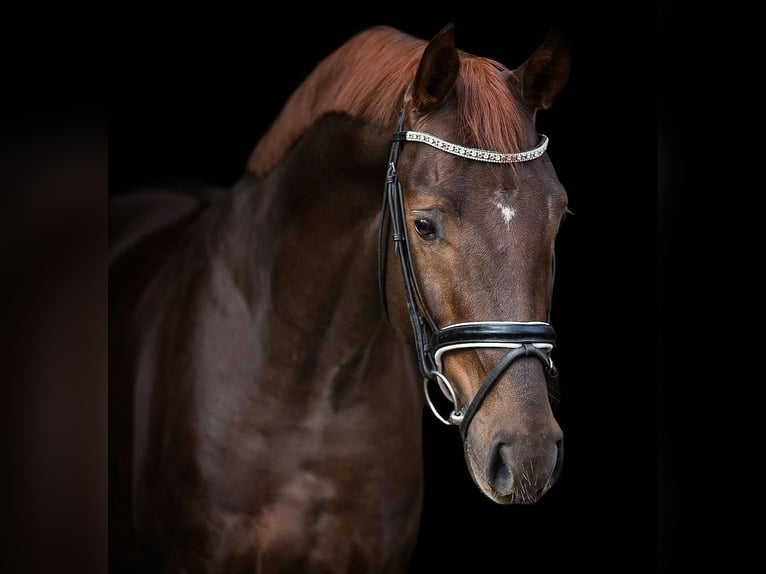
472, 183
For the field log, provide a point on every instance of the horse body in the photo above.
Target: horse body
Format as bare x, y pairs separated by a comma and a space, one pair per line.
263, 414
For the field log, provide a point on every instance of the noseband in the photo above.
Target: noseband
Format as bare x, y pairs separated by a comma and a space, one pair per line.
523, 339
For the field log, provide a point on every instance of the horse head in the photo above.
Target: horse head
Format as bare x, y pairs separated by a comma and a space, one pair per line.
475, 206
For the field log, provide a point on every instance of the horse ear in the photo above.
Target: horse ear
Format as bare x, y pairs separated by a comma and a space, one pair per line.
438, 69
545, 72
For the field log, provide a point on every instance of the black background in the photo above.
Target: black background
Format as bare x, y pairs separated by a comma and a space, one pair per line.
193, 92
651, 138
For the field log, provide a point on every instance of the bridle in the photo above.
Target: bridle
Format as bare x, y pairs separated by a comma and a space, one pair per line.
523, 339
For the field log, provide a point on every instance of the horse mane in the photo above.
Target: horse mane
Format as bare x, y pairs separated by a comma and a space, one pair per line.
366, 78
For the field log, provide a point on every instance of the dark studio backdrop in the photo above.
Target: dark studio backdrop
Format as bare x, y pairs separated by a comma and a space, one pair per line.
192, 94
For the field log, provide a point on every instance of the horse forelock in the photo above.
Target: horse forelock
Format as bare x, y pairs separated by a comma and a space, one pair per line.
366, 78
489, 115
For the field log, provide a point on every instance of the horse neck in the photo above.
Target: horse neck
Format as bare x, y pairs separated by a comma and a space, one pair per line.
328, 197
312, 260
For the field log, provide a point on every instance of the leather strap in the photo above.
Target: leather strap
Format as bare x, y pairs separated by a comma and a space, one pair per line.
494, 332
527, 349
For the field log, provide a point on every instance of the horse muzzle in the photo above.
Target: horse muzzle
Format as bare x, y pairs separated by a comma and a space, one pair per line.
513, 461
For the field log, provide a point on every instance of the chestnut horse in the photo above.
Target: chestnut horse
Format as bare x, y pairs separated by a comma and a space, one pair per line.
270, 344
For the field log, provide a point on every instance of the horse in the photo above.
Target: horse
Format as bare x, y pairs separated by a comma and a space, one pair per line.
275, 345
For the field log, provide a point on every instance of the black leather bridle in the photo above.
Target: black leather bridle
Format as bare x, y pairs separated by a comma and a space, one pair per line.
523, 339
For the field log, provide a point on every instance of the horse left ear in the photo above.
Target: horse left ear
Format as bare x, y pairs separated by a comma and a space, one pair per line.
438, 69
545, 72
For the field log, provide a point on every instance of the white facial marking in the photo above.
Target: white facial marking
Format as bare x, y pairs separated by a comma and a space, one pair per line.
506, 211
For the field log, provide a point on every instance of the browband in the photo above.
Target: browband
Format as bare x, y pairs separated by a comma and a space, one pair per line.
473, 153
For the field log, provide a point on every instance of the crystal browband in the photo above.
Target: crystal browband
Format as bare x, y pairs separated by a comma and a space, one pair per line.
473, 153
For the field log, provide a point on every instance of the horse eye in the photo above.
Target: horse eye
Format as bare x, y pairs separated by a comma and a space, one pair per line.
425, 228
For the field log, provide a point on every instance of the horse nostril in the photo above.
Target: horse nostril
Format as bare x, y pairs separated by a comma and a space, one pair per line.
515, 469
499, 468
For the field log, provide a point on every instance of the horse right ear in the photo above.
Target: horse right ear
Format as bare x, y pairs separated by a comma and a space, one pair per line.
545, 72
438, 69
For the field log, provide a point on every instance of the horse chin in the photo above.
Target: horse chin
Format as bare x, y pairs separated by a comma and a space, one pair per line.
513, 497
